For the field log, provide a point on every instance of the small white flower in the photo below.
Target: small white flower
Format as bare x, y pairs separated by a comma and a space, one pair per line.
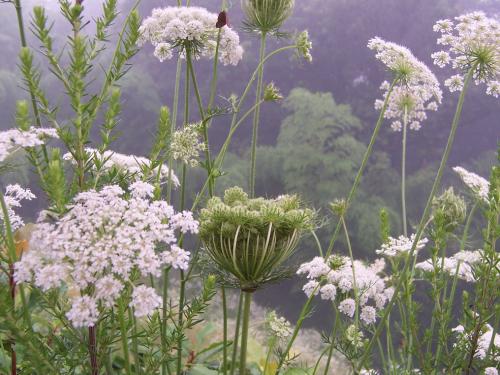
144, 301
368, 314
279, 326
310, 287
13, 139
400, 245
328, 292
347, 307
13, 196
479, 186
490, 371
455, 83
83, 312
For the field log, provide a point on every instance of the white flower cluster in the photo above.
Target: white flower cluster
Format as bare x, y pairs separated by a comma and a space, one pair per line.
186, 144
461, 264
411, 101
417, 90
13, 139
104, 244
13, 196
333, 280
278, 326
173, 28
483, 342
400, 245
490, 371
473, 39
131, 164
479, 186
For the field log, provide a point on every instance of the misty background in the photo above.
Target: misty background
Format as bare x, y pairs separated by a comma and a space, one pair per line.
312, 142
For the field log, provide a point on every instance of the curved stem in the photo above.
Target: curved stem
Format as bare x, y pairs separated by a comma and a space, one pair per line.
425, 215
244, 332
256, 117
361, 170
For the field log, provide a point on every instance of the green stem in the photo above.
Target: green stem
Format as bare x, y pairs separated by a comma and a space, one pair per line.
135, 343
330, 351
165, 369
175, 107
468, 222
361, 170
272, 343
425, 215
224, 330
255, 130
355, 285
244, 332
180, 318
123, 331
403, 173
236, 335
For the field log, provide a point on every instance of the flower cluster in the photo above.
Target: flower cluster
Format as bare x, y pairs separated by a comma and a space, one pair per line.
179, 28
339, 279
417, 90
479, 186
13, 139
186, 144
401, 245
13, 196
483, 342
278, 326
461, 264
304, 46
252, 238
105, 242
472, 42
138, 167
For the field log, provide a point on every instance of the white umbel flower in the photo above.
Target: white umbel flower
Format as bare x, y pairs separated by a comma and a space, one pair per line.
14, 139
186, 144
461, 264
278, 326
102, 246
471, 41
145, 301
131, 164
400, 245
177, 28
13, 196
416, 92
479, 186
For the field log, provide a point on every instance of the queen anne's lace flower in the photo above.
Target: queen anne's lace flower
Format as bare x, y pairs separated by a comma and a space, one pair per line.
417, 90
334, 280
186, 144
479, 186
13, 196
178, 28
461, 264
102, 245
473, 40
14, 139
484, 340
278, 326
133, 165
400, 245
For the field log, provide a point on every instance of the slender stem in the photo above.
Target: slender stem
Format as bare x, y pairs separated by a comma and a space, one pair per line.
425, 216
272, 343
93, 351
244, 332
468, 222
164, 365
175, 107
124, 337
361, 170
355, 284
330, 351
180, 319
135, 343
236, 334
224, 329
403, 173
256, 116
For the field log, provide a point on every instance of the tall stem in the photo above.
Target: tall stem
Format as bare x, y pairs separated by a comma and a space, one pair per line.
236, 334
255, 131
224, 330
355, 285
425, 216
361, 170
164, 366
124, 337
403, 173
93, 351
468, 222
244, 332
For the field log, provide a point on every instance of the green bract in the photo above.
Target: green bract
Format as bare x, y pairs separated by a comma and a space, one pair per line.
266, 16
251, 238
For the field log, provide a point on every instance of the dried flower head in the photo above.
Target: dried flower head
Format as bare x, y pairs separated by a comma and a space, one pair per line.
173, 29
449, 210
251, 238
304, 46
136, 167
266, 16
102, 246
272, 93
472, 41
186, 144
